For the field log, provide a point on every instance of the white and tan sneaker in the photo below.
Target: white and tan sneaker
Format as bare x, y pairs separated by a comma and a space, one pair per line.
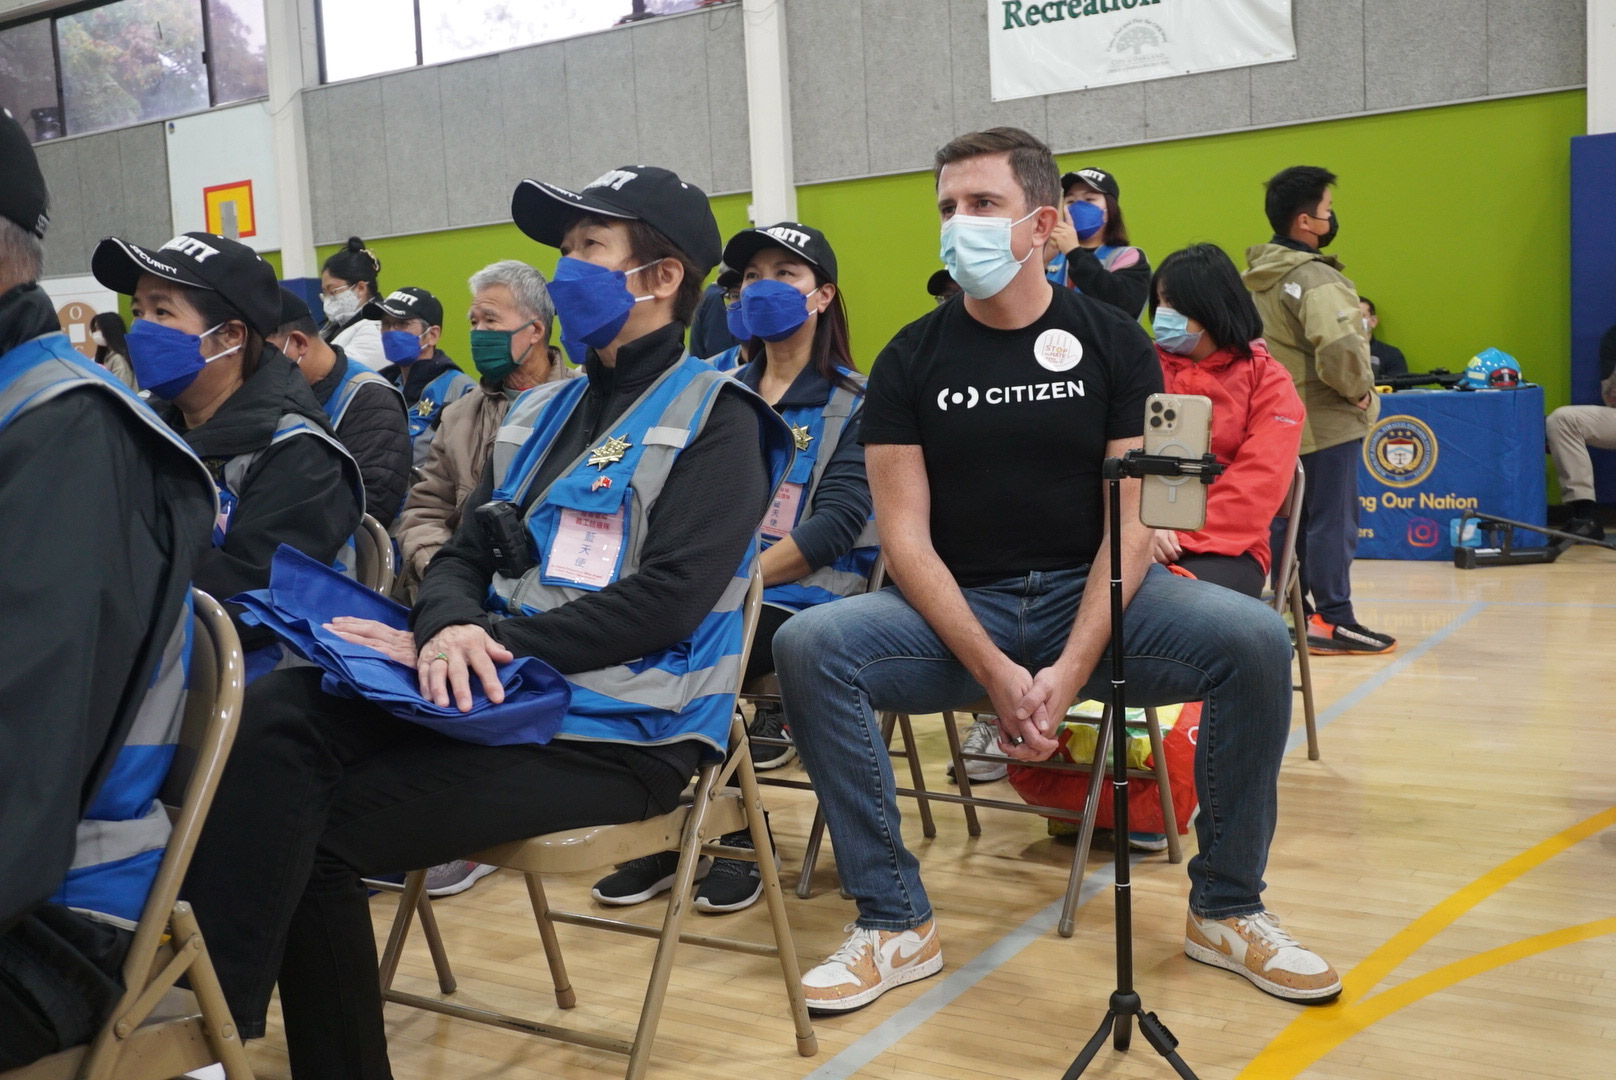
1257, 947
870, 963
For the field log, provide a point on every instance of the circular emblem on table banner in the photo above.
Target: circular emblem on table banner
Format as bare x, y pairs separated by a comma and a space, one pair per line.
1400, 451
1057, 350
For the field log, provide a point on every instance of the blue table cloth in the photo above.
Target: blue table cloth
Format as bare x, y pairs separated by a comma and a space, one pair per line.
303, 594
1434, 454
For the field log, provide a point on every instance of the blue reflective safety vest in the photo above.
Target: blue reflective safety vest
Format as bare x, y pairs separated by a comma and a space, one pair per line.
353, 380
588, 530
232, 477
818, 431
728, 360
1106, 253
120, 842
423, 415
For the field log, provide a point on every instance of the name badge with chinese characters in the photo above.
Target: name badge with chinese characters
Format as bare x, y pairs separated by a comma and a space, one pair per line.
782, 516
586, 549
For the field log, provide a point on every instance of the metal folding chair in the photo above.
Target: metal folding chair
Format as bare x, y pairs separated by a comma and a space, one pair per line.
1288, 593
693, 830
158, 1031
374, 549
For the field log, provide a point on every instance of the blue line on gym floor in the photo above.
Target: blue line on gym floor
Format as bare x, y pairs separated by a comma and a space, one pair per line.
887, 1034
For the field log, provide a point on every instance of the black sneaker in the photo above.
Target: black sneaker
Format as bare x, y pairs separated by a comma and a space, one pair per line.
770, 723
733, 884
638, 880
1347, 639
1587, 527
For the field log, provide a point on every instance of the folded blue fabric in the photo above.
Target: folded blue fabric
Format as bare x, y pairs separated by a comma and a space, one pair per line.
303, 595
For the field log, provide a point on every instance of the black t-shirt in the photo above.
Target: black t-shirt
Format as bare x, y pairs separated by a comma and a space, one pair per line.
1014, 425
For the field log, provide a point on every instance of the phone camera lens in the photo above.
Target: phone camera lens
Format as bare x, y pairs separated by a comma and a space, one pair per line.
1156, 406
1170, 414
1155, 421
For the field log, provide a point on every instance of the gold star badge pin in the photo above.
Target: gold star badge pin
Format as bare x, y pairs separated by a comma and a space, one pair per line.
423, 408
608, 452
800, 436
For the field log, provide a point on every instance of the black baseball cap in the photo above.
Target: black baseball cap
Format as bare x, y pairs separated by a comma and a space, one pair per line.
201, 261
728, 276
1098, 179
938, 283
409, 302
293, 309
799, 239
23, 198
658, 197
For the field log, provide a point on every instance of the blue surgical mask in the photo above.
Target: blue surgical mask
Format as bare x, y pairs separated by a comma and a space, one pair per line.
593, 302
774, 310
1172, 332
736, 322
166, 360
978, 253
1087, 218
400, 346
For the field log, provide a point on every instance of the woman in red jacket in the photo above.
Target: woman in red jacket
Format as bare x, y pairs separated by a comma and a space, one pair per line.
1208, 336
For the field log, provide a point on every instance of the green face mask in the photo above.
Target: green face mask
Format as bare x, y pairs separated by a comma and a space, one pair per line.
491, 351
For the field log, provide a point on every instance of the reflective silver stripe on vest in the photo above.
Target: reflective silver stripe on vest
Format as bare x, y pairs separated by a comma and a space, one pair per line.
658, 689
838, 410
840, 582
650, 474
234, 473
518, 425
361, 378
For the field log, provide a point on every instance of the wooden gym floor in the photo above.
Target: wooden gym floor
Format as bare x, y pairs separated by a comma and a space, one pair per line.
1453, 854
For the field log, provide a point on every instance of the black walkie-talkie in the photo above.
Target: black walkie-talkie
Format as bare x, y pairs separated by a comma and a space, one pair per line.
504, 533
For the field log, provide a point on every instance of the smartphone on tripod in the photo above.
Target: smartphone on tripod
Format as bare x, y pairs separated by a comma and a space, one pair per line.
1176, 425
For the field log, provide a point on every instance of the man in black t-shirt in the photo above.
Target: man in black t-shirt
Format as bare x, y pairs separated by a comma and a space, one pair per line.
985, 427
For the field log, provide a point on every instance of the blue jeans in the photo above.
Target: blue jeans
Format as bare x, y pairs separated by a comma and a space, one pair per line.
841, 663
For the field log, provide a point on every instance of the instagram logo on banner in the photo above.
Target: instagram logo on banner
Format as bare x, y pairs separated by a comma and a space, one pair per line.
1423, 532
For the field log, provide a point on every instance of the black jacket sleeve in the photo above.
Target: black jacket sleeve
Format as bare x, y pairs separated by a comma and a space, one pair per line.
841, 503
296, 493
717, 492
377, 435
93, 568
1126, 289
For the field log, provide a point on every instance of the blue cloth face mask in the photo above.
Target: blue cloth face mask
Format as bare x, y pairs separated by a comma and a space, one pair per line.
978, 254
400, 346
736, 322
166, 360
593, 302
1087, 218
774, 310
1172, 332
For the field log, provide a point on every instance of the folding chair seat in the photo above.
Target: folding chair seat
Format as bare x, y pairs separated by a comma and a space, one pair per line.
693, 829
158, 1031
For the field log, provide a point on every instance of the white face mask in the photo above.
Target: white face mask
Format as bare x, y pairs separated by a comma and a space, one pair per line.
98, 337
342, 305
977, 252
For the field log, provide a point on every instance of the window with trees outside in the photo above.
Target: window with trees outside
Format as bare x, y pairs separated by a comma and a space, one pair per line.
130, 62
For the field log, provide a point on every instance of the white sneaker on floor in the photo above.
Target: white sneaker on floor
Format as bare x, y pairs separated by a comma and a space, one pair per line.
1257, 947
212, 1072
870, 963
447, 879
983, 738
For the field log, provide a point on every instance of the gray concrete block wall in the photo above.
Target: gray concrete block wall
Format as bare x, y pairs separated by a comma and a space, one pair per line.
111, 183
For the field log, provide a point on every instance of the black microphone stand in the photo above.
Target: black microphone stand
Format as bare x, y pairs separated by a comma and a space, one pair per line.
1125, 1004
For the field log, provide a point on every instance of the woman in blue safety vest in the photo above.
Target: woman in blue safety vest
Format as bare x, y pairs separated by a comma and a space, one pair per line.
1092, 254
203, 307
818, 538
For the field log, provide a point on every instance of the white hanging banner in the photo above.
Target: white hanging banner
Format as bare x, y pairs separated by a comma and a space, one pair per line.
1048, 48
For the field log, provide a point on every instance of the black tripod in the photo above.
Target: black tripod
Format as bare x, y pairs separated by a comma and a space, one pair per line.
1125, 1003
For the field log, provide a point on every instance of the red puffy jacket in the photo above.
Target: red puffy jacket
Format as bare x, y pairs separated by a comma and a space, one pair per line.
1256, 432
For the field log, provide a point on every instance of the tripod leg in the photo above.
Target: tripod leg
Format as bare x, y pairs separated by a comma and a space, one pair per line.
1090, 1048
1123, 1033
1164, 1043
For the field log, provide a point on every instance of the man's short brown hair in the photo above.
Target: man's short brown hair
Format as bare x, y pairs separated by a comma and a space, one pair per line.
1031, 161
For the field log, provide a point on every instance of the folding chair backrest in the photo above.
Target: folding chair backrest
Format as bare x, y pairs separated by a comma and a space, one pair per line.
878, 574
212, 709
374, 549
1285, 558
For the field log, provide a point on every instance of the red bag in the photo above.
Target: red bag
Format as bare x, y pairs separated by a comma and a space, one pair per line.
1048, 787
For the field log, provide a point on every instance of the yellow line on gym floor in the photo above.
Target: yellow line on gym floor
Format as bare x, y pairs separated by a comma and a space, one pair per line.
1318, 1031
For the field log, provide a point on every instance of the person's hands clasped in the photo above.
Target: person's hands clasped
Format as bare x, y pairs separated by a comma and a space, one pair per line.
1165, 548
397, 645
1008, 689
447, 663
1052, 692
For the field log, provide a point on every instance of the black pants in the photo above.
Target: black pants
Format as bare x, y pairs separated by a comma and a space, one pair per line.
761, 660
1242, 573
1328, 537
60, 976
322, 790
